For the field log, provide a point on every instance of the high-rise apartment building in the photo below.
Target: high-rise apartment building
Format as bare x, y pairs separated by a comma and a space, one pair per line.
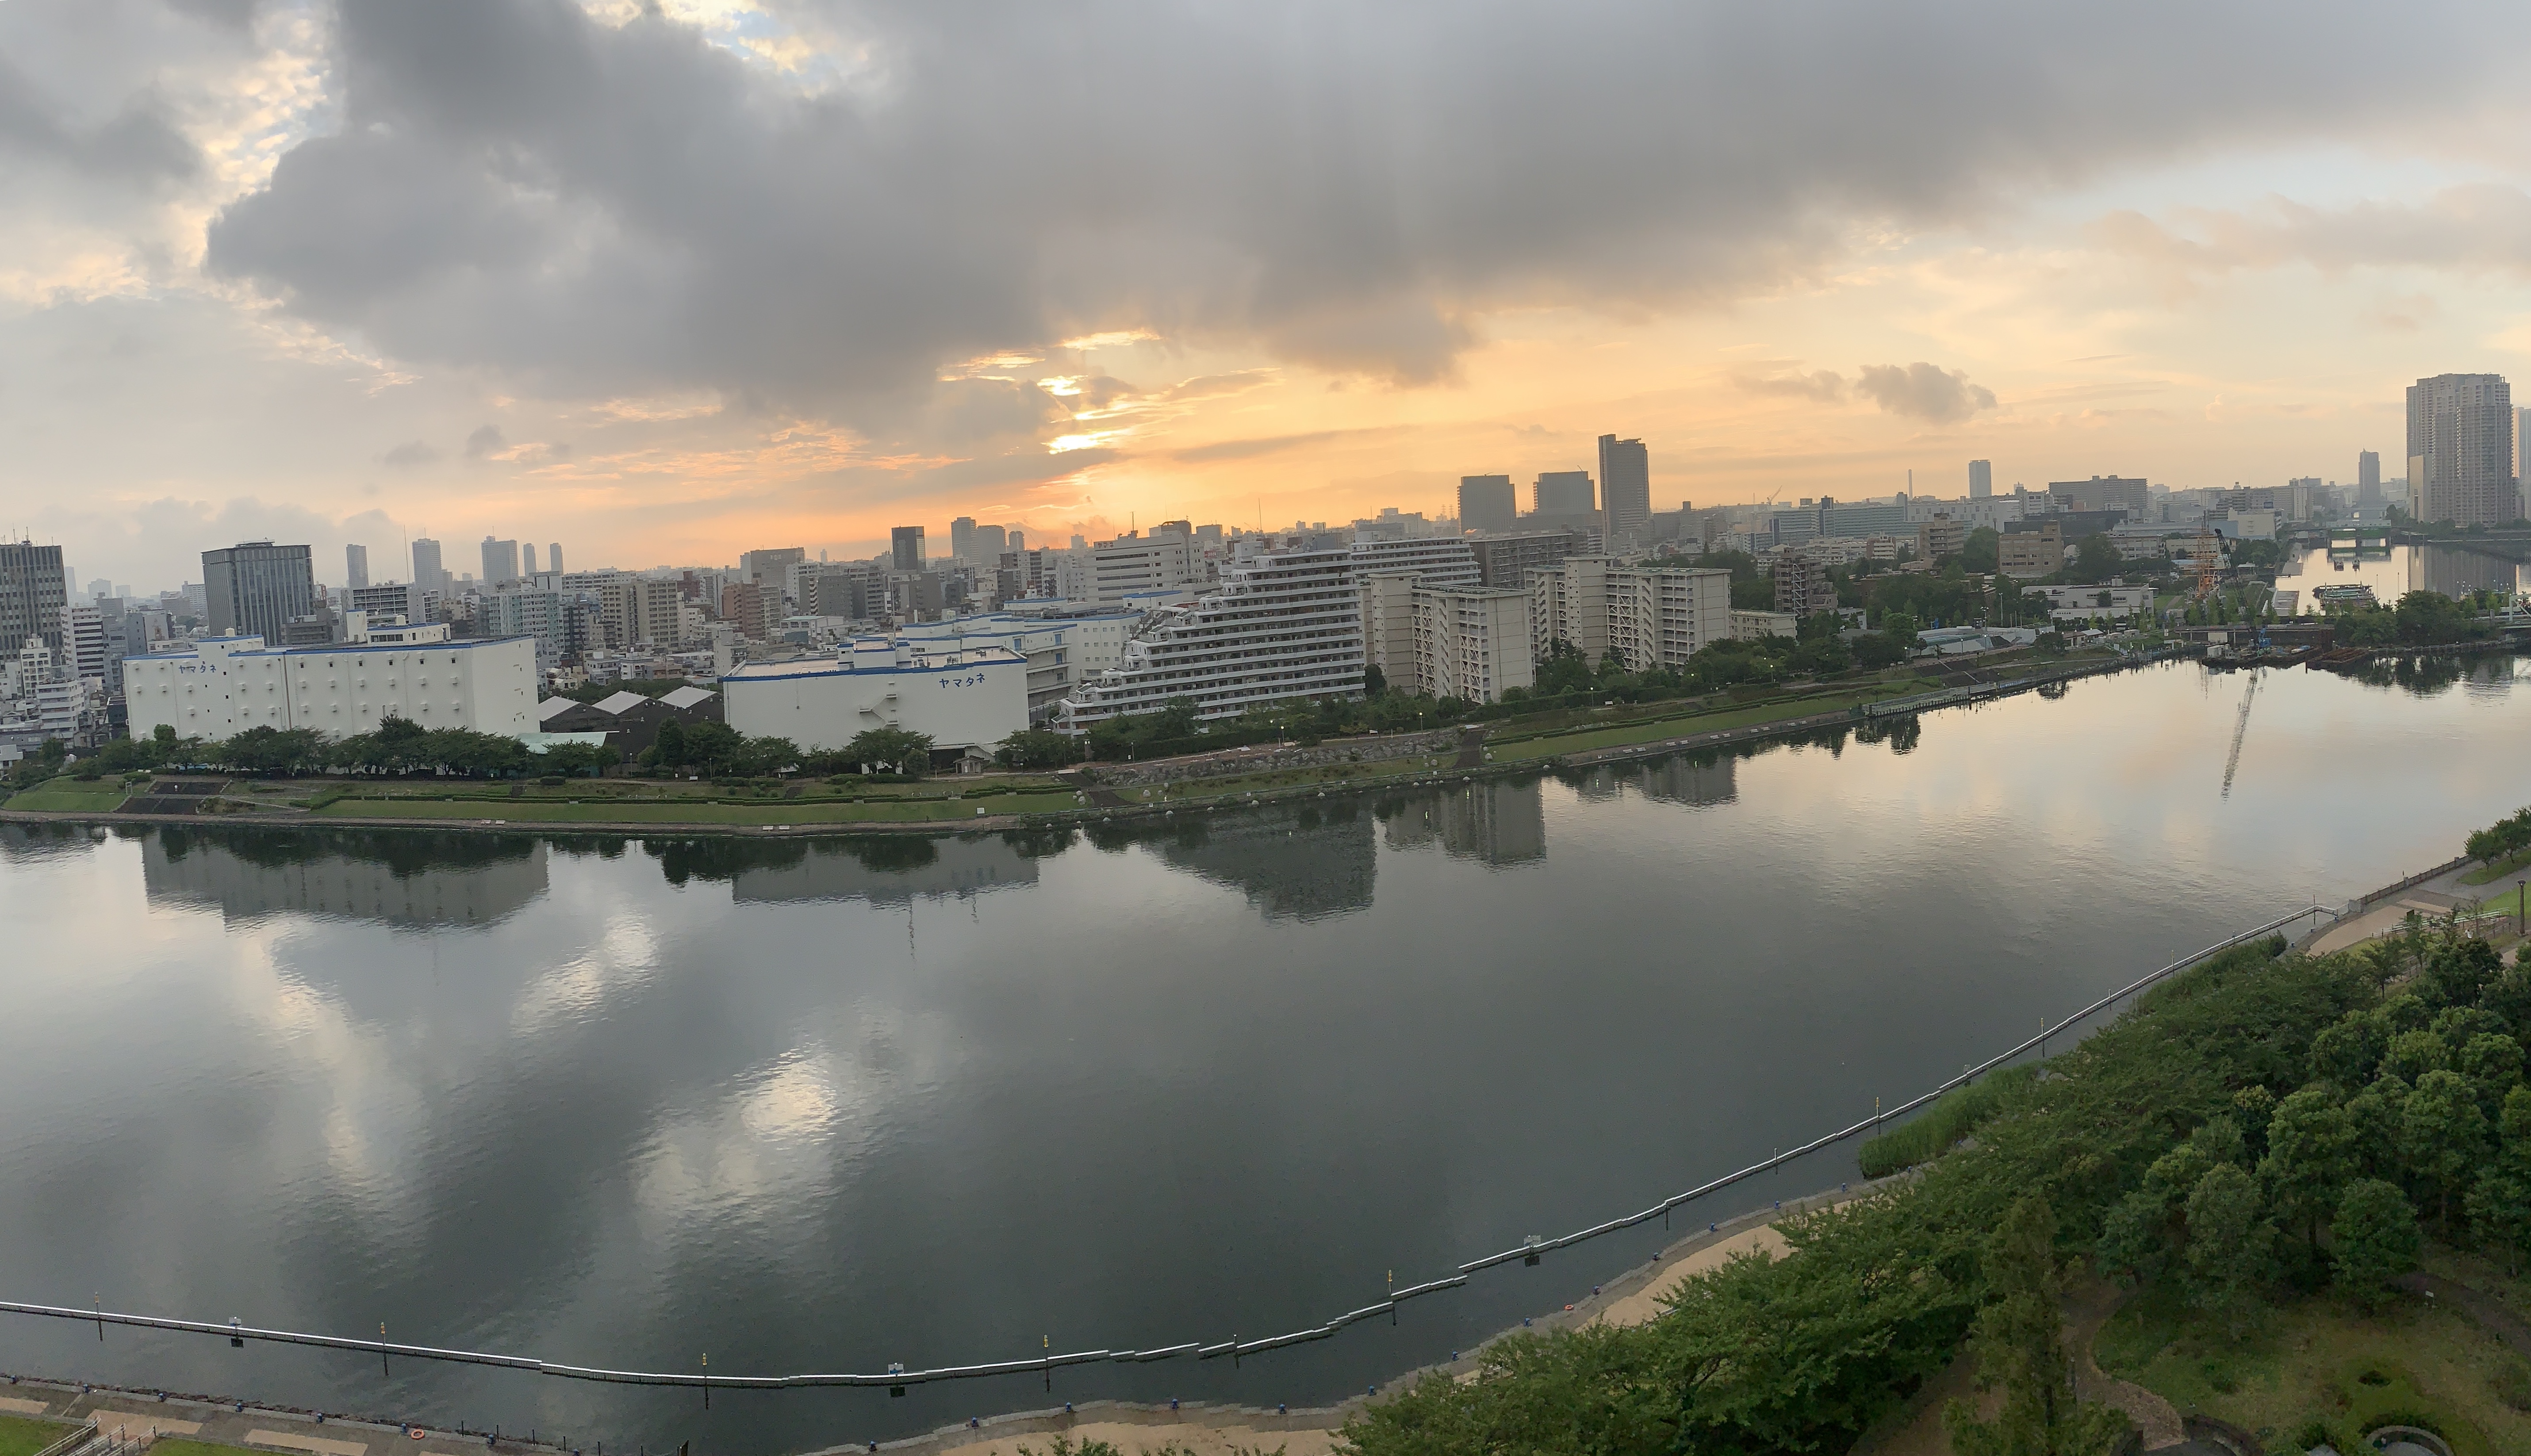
2522, 463
1981, 478
1469, 643
356, 566
528, 559
1643, 617
905, 548
255, 588
1488, 503
82, 653
2461, 449
500, 562
427, 572
1506, 560
553, 557
743, 606
1562, 493
1803, 585
32, 593
1625, 485
1284, 624
2368, 477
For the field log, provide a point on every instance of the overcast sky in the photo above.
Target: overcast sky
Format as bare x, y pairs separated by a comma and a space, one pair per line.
669, 282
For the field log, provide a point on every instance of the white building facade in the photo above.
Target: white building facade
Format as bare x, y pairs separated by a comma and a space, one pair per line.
960, 698
1284, 624
1643, 617
220, 687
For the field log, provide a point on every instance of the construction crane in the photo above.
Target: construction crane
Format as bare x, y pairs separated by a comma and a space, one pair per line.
2240, 726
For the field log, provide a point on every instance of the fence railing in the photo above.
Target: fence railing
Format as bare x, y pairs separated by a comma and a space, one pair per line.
1527, 1252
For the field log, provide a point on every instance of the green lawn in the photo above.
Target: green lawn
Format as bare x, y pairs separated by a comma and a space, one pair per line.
23, 1438
70, 795
2320, 1360
2511, 863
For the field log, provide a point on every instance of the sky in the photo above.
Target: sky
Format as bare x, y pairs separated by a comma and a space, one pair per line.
668, 282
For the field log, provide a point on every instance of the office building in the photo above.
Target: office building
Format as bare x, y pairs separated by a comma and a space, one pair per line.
2128, 493
1131, 565
2461, 449
964, 700
390, 599
82, 653
855, 592
222, 686
356, 566
1981, 478
32, 593
962, 538
1803, 585
1507, 560
905, 548
1939, 537
746, 606
1285, 623
1625, 485
2035, 549
255, 588
1488, 503
553, 557
2522, 464
1563, 493
2368, 478
770, 568
427, 572
500, 562
1467, 642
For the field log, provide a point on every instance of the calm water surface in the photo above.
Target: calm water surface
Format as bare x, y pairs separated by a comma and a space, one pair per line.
827, 1106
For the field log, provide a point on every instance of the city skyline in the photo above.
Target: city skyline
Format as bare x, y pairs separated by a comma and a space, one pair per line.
2193, 282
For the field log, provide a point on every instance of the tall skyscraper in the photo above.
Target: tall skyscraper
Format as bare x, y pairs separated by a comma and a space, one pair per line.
1562, 493
1488, 503
905, 547
254, 589
2522, 463
962, 538
1017, 541
1981, 480
553, 557
2461, 449
356, 566
1626, 483
32, 593
501, 561
2368, 477
427, 572
528, 559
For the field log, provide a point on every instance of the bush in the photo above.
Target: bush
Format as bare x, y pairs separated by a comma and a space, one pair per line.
1942, 1127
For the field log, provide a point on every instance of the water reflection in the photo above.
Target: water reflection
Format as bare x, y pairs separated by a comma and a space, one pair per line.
892, 870
1258, 852
397, 879
2391, 574
1501, 822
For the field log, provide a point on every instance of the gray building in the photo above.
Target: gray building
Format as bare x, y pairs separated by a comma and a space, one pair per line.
2128, 493
256, 588
905, 548
1505, 560
1981, 478
1625, 485
2368, 477
428, 573
2461, 449
1562, 493
32, 593
1488, 503
356, 566
500, 562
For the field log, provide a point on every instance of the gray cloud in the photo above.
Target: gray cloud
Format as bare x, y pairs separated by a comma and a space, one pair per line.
1923, 390
410, 454
592, 210
486, 441
1826, 387
138, 143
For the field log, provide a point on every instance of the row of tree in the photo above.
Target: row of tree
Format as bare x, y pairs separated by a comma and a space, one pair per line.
2508, 835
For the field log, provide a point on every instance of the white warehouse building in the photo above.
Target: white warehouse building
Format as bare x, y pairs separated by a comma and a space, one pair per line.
220, 687
960, 698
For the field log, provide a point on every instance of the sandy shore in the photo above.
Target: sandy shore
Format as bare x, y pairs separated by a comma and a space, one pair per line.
1631, 1299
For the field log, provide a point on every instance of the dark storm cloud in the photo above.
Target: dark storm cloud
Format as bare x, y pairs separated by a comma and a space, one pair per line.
137, 144
596, 209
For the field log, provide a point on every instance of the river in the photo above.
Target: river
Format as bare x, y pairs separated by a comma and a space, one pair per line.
821, 1106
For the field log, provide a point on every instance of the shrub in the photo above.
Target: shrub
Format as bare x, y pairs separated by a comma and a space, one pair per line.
1943, 1126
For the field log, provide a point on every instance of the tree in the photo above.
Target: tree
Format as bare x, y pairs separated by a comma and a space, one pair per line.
2442, 1137
2459, 968
580, 757
2231, 1246
2096, 558
667, 749
1979, 553
1879, 649
2310, 1157
2135, 1239
1038, 748
2372, 1240
2020, 1340
908, 753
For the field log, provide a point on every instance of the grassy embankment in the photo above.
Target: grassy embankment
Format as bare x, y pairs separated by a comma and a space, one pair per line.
19, 1437
2513, 863
70, 795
